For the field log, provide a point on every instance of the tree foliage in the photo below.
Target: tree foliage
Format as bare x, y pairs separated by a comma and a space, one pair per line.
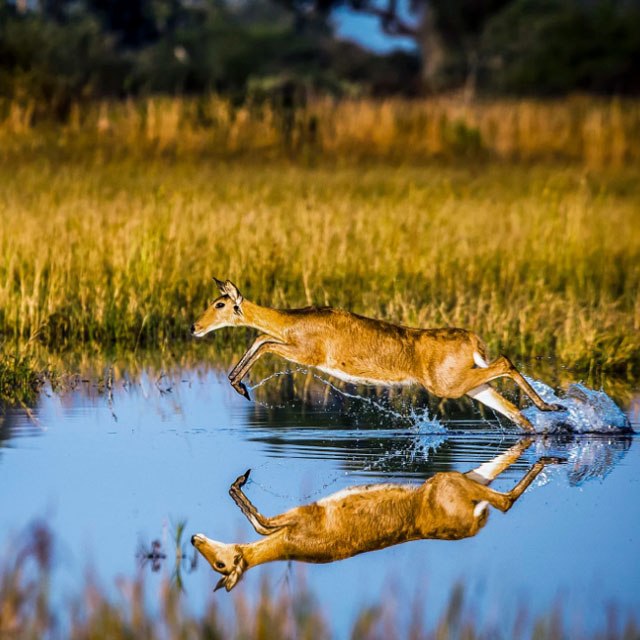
61, 51
555, 46
69, 51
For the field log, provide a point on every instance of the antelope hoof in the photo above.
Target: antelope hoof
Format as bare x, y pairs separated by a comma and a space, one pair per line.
242, 480
241, 389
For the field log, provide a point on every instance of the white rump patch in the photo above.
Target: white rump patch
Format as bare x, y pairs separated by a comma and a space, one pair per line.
479, 508
479, 360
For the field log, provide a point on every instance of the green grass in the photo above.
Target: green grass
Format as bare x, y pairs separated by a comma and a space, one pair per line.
539, 260
21, 378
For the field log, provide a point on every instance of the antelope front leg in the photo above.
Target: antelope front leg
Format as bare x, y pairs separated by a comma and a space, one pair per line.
250, 352
258, 342
263, 525
265, 344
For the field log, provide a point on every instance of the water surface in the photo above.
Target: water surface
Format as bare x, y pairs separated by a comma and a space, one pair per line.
112, 472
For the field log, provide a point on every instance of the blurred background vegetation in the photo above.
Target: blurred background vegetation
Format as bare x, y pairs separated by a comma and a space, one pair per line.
56, 53
494, 144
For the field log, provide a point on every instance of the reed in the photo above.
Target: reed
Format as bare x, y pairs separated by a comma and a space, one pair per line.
594, 132
28, 611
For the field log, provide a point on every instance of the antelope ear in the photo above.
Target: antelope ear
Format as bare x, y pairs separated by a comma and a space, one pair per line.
230, 581
219, 284
230, 289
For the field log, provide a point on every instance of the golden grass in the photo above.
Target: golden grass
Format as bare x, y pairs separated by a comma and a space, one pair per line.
541, 261
112, 224
595, 132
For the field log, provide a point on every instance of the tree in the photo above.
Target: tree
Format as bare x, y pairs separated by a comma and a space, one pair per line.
550, 47
517, 46
447, 32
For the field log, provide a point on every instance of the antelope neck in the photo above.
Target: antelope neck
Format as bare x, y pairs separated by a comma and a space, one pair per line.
264, 319
265, 550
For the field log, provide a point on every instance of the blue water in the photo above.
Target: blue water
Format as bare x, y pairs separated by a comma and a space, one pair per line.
112, 473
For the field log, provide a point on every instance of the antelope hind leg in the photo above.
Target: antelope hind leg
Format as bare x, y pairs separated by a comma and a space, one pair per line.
490, 470
491, 398
502, 366
521, 381
504, 501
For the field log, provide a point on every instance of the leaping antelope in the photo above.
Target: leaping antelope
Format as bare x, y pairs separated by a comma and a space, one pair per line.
448, 506
447, 362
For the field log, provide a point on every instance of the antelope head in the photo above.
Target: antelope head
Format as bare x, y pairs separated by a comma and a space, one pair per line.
224, 311
226, 559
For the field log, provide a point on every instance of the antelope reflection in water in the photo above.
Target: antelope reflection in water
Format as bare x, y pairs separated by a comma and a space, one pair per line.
449, 506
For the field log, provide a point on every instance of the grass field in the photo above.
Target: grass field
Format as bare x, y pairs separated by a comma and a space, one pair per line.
102, 250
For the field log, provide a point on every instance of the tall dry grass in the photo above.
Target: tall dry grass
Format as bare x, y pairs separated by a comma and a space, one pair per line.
594, 132
541, 261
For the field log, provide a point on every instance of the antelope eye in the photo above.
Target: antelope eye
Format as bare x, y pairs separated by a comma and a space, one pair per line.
219, 565
219, 305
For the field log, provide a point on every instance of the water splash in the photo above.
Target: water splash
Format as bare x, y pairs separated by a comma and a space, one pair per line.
277, 374
418, 419
428, 433
426, 424
586, 411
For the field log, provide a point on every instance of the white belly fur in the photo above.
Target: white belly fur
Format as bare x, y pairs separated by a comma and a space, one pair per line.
357, 380
358, 489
